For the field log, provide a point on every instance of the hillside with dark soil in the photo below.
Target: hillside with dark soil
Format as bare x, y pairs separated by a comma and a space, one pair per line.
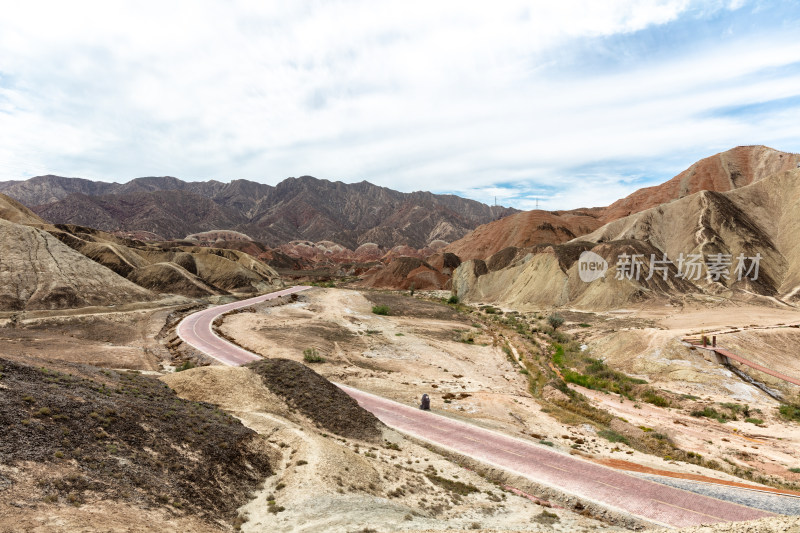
317, 398
106, 436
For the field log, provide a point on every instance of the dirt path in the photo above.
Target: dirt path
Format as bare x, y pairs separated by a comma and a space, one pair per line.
738, 358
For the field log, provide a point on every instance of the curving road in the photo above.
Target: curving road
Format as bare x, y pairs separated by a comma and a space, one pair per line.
195, 330
606, 487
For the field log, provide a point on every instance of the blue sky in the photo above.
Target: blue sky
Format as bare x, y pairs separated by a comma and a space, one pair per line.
576, 103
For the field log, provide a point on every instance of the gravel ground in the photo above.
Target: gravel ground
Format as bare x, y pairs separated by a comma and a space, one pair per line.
779, 524
775, 503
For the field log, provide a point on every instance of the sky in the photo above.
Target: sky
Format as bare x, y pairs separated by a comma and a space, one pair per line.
572, 103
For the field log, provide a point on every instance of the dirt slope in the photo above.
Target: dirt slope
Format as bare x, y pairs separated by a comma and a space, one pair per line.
40, 272
404, 273
722, 172
186, 270
93, 437
14, 211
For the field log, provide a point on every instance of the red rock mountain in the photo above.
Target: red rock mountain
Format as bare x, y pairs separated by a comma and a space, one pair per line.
526, 229
722, 172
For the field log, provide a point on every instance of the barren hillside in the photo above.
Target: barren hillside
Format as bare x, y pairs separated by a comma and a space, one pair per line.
40, 272
736, 227
525, 229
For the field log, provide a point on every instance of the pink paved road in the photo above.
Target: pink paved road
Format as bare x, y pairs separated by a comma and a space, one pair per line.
609, 488
196, 331
604, 486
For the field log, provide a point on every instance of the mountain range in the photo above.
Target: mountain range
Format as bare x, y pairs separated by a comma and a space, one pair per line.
305, 208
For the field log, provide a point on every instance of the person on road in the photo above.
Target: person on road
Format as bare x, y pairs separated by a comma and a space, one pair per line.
426, 403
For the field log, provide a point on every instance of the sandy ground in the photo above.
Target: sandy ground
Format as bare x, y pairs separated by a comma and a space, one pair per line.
111, 337
656, 354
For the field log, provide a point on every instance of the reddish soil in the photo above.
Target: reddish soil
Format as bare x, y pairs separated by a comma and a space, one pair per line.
621, 464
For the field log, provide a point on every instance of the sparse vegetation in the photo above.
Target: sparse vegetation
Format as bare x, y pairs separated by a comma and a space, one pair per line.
311, 355
613, 436
452, 485
651, 397
186, 365
546, 518
790, 411
103, 421
555, 320
467, 337
710, 412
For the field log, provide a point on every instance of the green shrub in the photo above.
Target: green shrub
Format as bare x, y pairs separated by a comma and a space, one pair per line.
186, 365
650, 396
546, 518
790, 411
756, 421
380, 309
612, 436
710, 412
310, 355
490, 310
555, 321
558, 356
795, 470
453, 299
458, 487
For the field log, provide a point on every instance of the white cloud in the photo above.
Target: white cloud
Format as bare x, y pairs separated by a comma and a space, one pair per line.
414, 95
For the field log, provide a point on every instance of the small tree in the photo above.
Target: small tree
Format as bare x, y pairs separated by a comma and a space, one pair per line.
411, 289
555, 321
